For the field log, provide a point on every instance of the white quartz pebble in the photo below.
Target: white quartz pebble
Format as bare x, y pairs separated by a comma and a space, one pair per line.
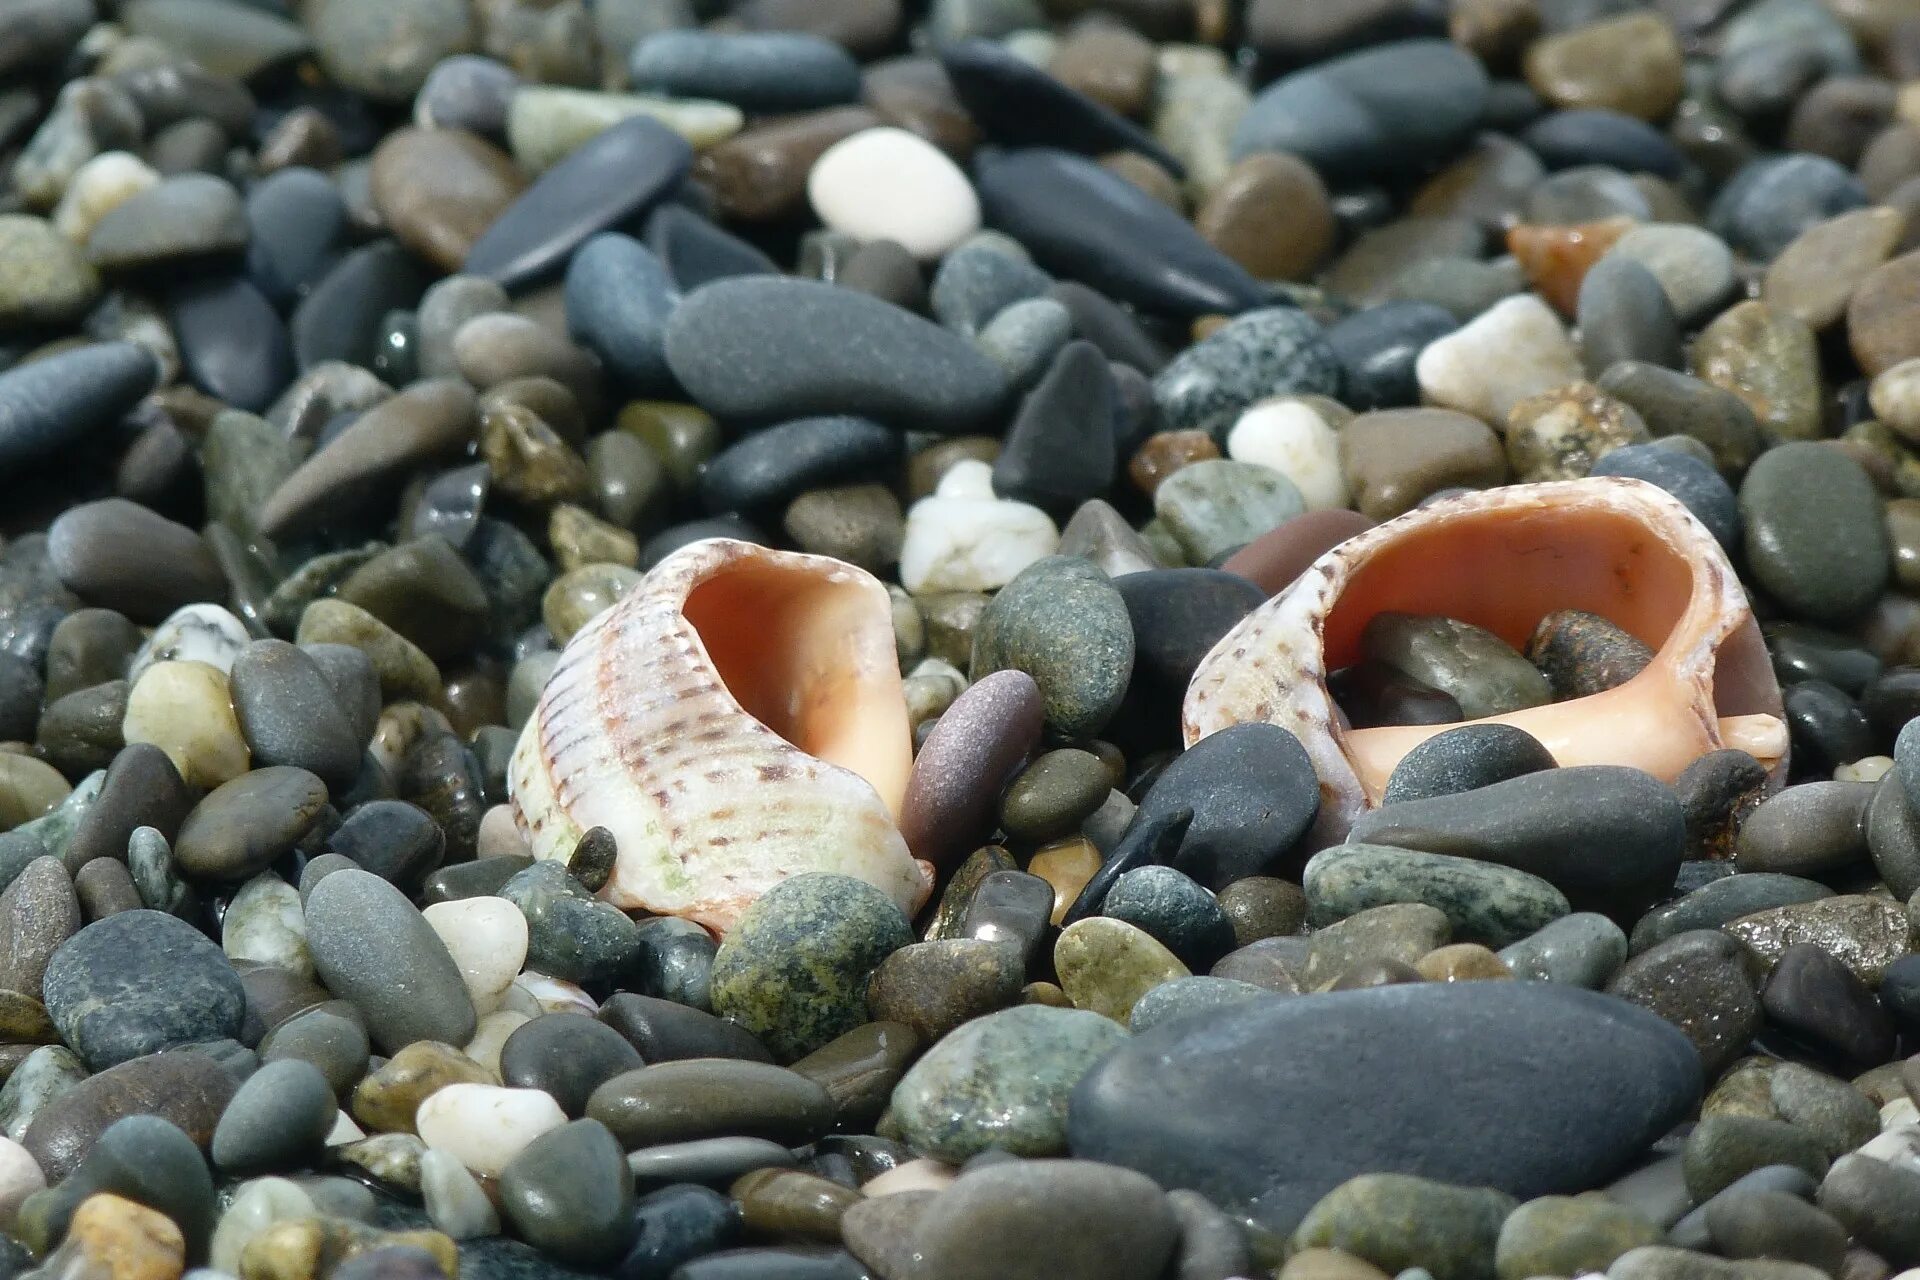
487, 938
256, 1205
490, 1036
97, 188
889, 184
264, 923
20, 1177
1514, 349
484, 1126
193, 633
1289, 437
962, 538
454, 1200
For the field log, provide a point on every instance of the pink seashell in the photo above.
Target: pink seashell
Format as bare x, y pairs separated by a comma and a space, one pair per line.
735, 719
1502, 559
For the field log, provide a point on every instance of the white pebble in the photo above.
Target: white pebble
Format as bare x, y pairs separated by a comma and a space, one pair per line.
344, 1130
1865, 769
961, 539
194, 633
1895, 397
99, 187
490, 1036
20, 1177
499, 835
556, 995
184, 709
914, 1175
1289, 437
264, 923
485, 1126
256, 1206
1898, 1146
1514, 349
454, 1200
487, 938
888, 184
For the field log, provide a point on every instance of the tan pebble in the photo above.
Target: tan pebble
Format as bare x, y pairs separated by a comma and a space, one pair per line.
914, 1175
111, 1238
1632, 64
1067, 865
1271, 214
184, 709
1106, 965
1462, 962
499, 837
1816, 274
388, 1098
1046, 993
579, 537
29, 787
1148, 176
1329, 1264
1166, 452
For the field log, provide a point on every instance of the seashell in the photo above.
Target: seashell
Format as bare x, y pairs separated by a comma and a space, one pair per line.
735, 719
1503, 559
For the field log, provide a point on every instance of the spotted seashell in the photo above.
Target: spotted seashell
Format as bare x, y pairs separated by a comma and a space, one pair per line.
735, 719
1503, 559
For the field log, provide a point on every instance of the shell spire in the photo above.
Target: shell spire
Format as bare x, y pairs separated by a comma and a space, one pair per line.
734, 720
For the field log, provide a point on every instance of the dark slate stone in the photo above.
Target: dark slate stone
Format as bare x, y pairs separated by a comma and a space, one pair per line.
54, 402
696, 251
1465, 759
618, 298
1083, 221
757, 71
1771, 201
343, 316
1700, 488
1610, 838
1178, 616
233, 345
1532, 1088
1016, 104
138, 982
761, 349
1377, 348
1253, 793
770, 468
1060, 449
1569, 139
612, 177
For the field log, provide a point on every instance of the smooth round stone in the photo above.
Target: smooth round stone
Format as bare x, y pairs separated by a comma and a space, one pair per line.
1874, 1200
995, 1221
1816, 275
1239, 1062
759, 348
331, 1038
1570, 1235
1053, 795
1062, 622
1514, 349
1771, 201
1216, 506
569, 1194
1861, 931
1567, 139
974, 746
1584, 949
674, 1102
1270, 352
139, 982
454, 1200
889, 184
190, 216
1173, 910
485, 1126
763, 72
1698, 486
49, 282
1105, 965
387, 1098
438, 190
570, 934
1880, 313
385, 52
1818, 1002
1001, 1081
279, 1119
1178, 615
487, 938
1624, 314
127, 557
1483, 903
1082, 221
1723, 1148
676, 1225
1183, 996
1554, 824
1262, 907
1769, 359
1814, 536
935, 986
1724, 901
1809, 830
1473, 666
618, 299
1698, 981
1674, 404
1292, 437
1377, 350
696, 251
395, 840
616, 173
289, 713
1270, 213
361, 931
1369, 113
979, 280
770, 468
567, 1056
1252, 791
38, 912
246, 824
1393, 1219
1394, 459
663, 1030
794, 968
1060, 450
1465, 759
465, 91
263, 925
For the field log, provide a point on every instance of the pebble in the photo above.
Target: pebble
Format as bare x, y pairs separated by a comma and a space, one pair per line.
1273, 351
360, 929
485, 1126
1636, 1075
1584, 949
1216, 506
1787, 492
1027, 626
962, 538
669, 1102
569, 1193
278, 1119
244, 825
1701, 982
1394, 1220
890, 184
763, 72
1862, 932
51, 403
1519, 336
994, 1222
1483, 903
137, 983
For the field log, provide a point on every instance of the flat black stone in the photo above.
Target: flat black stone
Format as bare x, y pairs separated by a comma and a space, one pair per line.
233, 345
51, 403
344, 315
770, 468
696, 251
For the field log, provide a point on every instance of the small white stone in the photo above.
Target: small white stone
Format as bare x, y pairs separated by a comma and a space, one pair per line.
888, 184
914, 1175
499, 835
1898, 1145
490, 1036
1514, 349
184, 709
1895, 397
344, 1130
487, 938
401, 727
193, 633
256, 1206
20, 1177
962, 538
97, 188
455, 1202
264, 923
1865, 769
485, 1126
556, 995
1289, 437
1693, 265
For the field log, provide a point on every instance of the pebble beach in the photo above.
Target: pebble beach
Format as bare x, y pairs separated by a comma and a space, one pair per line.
960, 639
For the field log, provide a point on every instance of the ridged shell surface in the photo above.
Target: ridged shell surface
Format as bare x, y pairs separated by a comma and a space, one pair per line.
642, 730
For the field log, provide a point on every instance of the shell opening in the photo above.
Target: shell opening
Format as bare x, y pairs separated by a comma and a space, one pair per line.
812, 660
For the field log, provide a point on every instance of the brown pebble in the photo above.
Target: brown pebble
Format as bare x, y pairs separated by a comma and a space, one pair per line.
914, 94
1583, 653
1148, 176
1281, 554
440, 189
1495, 31
118, 1239
925, 468
1394, 458
1272, 215
1556, 259
760, 174
1883, 317
1631, 64
1067, 865
1462, 962
1108, 62
955, 784
1816, 274
188, 1090
1166, 452
106, 888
